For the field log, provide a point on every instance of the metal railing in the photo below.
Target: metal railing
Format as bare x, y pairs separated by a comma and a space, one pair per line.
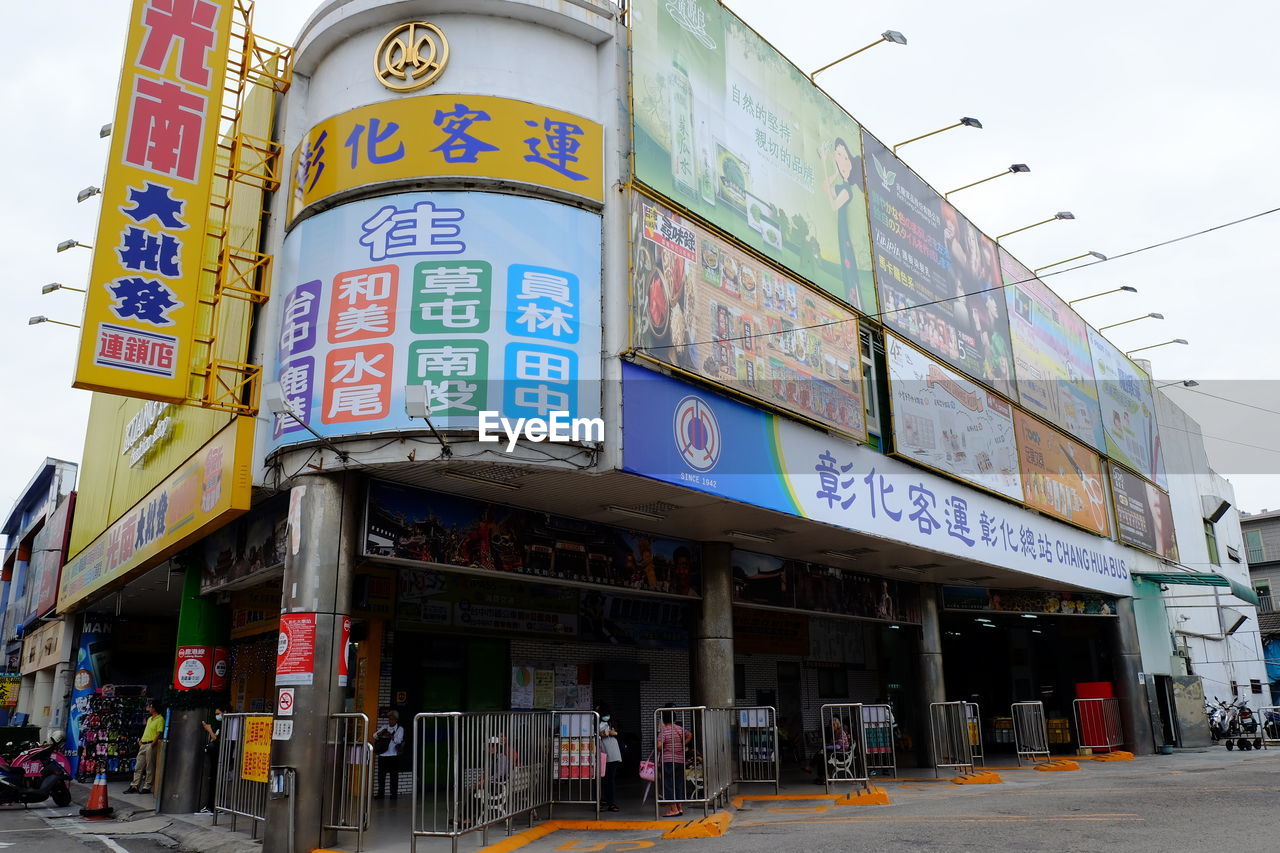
844, 759
1098, 724
973, 716
951, 732
877, 739
474, 770
244, 761
1269, 721
1030, 735
575, 750
756, 754
349, 786
693, 757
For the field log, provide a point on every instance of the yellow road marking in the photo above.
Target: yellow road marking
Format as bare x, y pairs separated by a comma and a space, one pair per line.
637, 844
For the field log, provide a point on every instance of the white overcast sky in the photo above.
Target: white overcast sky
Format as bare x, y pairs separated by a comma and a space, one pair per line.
1146, 120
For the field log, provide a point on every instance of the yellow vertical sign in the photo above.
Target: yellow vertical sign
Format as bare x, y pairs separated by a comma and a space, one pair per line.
256, 753
140, 312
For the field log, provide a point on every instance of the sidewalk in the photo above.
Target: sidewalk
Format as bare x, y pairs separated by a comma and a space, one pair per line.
135, 815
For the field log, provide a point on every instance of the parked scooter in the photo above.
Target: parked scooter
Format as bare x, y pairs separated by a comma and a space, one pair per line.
37, 774
1234, 723
1248, 723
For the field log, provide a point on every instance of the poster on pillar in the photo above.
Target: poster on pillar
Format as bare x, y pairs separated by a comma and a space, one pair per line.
221, 665
344, 652
296, 652
194, 668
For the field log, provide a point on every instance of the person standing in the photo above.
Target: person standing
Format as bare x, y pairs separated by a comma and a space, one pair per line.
613, 761
389, 759
671, 743
144, 772
213, 731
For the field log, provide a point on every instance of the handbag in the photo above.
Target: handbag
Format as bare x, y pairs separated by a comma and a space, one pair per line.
647, 770
604, 763
381, 741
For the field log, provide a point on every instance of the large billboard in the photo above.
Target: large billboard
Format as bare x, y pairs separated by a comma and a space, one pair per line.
735, 133
144, 286
947, 422
490, 301
1060, 475
1144, 515
1128, 410
1051, 355
795, 584
938, 276
48, 553
695, 439
704, 306
462, 135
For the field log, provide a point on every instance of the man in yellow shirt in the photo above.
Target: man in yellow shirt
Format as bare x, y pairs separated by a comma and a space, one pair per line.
144, 772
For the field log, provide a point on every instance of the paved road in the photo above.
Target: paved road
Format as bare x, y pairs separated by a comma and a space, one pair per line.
54, 830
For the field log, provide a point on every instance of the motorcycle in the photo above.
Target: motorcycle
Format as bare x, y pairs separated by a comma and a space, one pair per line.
37, 774
1250, 737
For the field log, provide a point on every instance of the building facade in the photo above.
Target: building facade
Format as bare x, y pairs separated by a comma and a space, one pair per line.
1262, 550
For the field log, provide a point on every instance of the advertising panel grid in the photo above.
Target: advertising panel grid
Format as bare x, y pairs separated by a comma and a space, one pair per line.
947, 422
726, 126
1144, 514
1061, 476
938, 276
763, 579
490, 302
1051, 358
1128, 410
704, 306
144, 285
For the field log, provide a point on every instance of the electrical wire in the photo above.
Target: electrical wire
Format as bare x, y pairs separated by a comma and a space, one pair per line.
1229, 400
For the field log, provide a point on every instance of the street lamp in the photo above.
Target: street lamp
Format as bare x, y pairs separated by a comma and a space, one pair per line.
887, 36
964, 122
1124, 287
37, 320
1182, 341
1186, 383
87, 193
71, 244
1088, 254
104, 131
1012, 170
1152, 316
52, 286
1061, 214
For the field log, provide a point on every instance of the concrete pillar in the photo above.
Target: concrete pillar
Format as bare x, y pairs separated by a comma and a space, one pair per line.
933, 684
1134, 713
323, 538
713, 637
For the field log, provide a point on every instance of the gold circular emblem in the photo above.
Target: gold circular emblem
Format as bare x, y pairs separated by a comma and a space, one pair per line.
411, 56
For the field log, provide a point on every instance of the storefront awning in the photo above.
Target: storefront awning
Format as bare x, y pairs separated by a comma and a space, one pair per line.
1239, 590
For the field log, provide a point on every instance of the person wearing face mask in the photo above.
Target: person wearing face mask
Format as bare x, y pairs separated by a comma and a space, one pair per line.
613, 760
213, 731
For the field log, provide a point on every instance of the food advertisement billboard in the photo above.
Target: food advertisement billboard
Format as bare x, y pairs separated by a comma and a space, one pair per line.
1128, 410
949, 423
938, 276
491, 302
1051, 355
1061, 476
735, 133
1144, 515
705, 306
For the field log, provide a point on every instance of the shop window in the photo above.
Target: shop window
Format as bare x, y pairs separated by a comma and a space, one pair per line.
1235, 690
1211, 542
1265, 603
1253, 540
833, 683
1255, 686
870, 383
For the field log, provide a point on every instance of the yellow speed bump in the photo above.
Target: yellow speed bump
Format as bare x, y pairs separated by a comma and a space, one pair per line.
712, 826
978, 777
1057, 765
873, 795
1119, 755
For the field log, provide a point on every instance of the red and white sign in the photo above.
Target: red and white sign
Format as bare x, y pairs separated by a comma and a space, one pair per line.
344, 652
194, 668
296, 652
284, 702
221, 665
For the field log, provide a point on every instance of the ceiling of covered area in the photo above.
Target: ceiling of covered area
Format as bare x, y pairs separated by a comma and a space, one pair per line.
689, 514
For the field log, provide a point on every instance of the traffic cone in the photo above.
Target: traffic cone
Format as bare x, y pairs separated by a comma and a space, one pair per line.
97, 808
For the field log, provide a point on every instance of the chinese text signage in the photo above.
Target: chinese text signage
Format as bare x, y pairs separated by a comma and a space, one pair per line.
456, 135
1060, 475
706, 307
255, 762
140, 311
767, 461
491, 302
731, 130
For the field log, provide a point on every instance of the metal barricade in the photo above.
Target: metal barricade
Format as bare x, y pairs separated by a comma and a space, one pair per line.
349, 786
756, 754
474, 770
244, 761
1098, 724
1030, 735
693, 757
877, 739
973, 716
1269, 720
951, 733
843, 745
575, 750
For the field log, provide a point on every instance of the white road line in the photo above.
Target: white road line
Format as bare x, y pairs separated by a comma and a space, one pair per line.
33, 829
111, 844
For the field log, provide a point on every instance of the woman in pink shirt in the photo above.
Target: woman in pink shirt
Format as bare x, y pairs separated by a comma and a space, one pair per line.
670, 746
